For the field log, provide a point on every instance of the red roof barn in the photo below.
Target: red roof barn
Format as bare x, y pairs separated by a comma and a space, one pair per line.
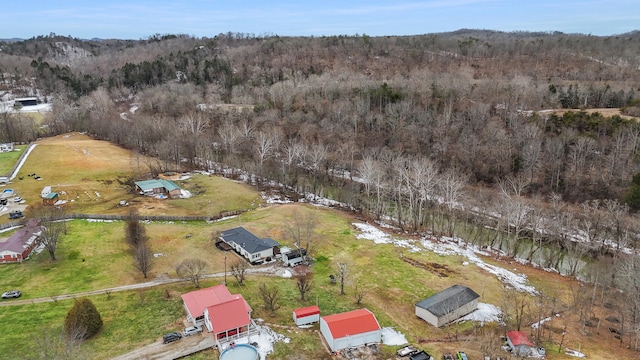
19, 245
306, 315
350, 329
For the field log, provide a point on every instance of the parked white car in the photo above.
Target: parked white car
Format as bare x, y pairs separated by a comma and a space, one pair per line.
191, 330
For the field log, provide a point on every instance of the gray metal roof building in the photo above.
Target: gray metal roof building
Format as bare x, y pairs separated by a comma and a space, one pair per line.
447, 305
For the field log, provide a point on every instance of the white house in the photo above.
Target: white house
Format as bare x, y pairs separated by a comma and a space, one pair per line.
306, 315
350, 329
251, 247
195, 302
447, 305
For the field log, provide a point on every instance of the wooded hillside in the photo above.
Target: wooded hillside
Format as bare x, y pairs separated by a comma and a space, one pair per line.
416, 119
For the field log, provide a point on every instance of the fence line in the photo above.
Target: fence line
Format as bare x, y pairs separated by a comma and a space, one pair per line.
17, 163
114, 217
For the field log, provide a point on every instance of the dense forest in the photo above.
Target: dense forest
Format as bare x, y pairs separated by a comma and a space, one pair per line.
429, 130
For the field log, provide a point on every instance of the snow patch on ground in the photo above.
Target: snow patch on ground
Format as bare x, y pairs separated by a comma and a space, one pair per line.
225, 218
483, 314
537, 324
447, 246
574, 353
275, 199
392, 338
370, 232
265, 339
450, 246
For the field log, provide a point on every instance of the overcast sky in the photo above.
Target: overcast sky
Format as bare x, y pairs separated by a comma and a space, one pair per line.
138, 19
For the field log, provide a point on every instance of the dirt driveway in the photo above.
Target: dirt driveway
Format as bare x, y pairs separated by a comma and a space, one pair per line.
159, 351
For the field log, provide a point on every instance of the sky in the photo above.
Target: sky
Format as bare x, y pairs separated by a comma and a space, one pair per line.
139, 19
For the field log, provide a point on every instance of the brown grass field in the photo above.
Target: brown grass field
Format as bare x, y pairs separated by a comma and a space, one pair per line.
606, 112
93, 256
94, 176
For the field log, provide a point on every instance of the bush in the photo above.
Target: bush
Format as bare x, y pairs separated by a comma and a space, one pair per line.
83, 320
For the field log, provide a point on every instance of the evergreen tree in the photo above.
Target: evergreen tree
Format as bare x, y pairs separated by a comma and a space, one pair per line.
83, 320
632, 197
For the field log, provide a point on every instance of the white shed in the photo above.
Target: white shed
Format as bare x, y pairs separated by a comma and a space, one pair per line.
306, 315
350, 329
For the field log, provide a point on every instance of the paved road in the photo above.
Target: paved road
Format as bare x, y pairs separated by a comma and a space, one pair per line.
270, 270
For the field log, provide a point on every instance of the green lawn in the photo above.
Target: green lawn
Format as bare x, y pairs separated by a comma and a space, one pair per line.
8, 159
93, 255
130, 319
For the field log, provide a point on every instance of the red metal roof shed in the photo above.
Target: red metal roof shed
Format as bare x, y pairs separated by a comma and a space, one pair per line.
351, 323
519, 338
307, 311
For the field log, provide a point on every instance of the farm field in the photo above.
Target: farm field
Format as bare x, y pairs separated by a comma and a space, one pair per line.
94, 176
93, 256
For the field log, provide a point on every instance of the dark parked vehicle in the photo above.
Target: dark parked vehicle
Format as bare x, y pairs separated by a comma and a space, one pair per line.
171, 337
448, 357
16, 214
3, 201
11, 294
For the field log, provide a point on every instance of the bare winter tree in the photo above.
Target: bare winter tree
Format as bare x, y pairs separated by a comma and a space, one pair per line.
359, 292
51, 236
135, 232
451, 185
515, 307
138, 241
143, 258
316, 156
54, 345
239, 270
192, 269
267, 145
270, 297
372, 174
301, 230
629, 281
343, 272
304, 282
230, 136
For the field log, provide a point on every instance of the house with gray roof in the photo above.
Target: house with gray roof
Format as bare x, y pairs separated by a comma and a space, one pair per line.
448, 305
159, 188
253, 248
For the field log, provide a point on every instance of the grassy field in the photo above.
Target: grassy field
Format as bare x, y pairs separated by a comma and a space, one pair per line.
92, 255
8, 159
94, 176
